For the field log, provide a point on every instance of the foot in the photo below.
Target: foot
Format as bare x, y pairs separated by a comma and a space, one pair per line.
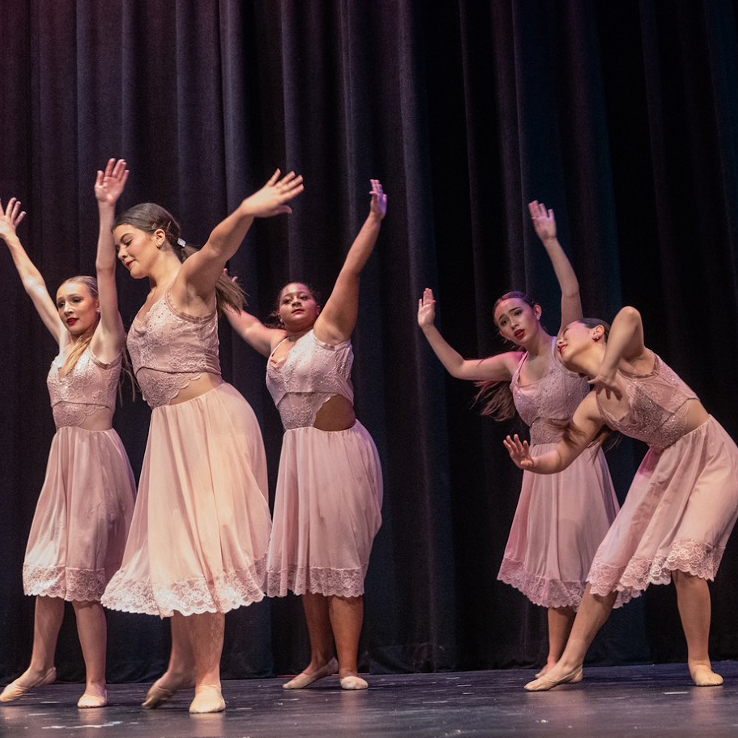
550, 680
207, 699
27, 681
164, 688
704, 676
545, 670
93, 698
306, 678
352, 681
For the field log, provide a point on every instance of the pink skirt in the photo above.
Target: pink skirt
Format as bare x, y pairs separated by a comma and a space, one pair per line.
82, 516
679, 512
560, 521
200, 530
327, 512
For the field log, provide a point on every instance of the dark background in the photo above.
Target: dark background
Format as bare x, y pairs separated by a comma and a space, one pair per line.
622, 116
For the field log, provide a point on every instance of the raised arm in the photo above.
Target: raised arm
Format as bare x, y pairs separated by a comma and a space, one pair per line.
201, 271
499, 368
338, 318
109, 186
583, 429
33, 282
254, 332
544, 223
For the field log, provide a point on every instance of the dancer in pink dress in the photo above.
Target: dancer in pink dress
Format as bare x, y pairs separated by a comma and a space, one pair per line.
200, 531
329, 489
560, 520
86, 503
681, 506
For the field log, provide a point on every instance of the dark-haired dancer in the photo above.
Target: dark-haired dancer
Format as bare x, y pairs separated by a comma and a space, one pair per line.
681, 506
559, 520
200, 530
329, 490
85, 506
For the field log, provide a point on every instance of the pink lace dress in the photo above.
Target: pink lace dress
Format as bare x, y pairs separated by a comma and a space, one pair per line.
329, 490
86, 502
683, 502
200, 530
561, 518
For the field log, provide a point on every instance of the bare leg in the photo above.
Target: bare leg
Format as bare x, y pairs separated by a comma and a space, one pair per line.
92, 630
592, 615
48, 620
560, 621
206, 636
347, 616
180, 673
322, 663
693, 598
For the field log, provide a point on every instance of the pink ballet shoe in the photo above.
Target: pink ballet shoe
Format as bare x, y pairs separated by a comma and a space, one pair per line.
88, 700
303, 680
544, 683
704, 676
354, 682
207, 699
14, 690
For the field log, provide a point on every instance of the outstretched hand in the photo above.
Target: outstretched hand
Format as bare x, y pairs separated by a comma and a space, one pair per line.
10, 217
426, 309
519, 452
607, 384
110, 184
543, 220
378, 205
271, 198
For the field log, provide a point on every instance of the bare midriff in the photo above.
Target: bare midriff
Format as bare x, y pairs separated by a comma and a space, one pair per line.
335, 414
696, 415
99, 420
204, 383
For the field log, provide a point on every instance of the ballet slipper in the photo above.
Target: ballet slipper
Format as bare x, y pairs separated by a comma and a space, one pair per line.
542, 672
207, 699
353, 682
93, 700
303, 680
704, 676
158, 695
544, 683
14, 690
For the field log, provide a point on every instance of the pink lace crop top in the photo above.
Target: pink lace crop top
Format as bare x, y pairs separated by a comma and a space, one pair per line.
91, 385
547, 404
656, 406
170, 349
312, 373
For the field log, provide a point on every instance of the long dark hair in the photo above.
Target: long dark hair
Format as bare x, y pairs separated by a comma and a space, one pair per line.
150, 217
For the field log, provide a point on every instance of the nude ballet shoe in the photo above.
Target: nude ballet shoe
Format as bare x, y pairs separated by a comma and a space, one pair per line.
353, 682
14, 690
303, 680
207, 699
159, 695
704, 676
545, 683
93, 700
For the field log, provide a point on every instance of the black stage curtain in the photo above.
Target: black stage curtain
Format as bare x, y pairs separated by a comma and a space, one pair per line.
621, 116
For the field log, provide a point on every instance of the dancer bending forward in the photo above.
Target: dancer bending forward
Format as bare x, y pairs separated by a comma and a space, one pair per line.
681, 506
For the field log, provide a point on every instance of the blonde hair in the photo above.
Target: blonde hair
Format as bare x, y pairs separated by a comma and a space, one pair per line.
79, 347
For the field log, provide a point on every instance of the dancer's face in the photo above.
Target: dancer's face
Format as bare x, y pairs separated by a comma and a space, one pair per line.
517, 321
137, 249
298, 309
574, 343
78, 308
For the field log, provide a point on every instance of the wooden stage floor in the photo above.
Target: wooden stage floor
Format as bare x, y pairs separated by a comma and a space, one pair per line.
651, 701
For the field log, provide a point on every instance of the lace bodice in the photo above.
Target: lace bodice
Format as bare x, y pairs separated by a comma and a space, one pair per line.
312, 373
91, 385
170, 349
547, 404
657, 406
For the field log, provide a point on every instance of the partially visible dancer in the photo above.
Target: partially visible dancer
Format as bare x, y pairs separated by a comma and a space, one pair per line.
329, 490
86, 502
200, 531
681, 506
560, 520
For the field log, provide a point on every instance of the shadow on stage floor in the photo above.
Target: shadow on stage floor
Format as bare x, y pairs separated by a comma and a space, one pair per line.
648, 701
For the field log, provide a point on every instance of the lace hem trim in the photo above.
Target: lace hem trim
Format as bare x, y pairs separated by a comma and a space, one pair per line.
697, 558
190, 596
328, 582
539, 590
73, 585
